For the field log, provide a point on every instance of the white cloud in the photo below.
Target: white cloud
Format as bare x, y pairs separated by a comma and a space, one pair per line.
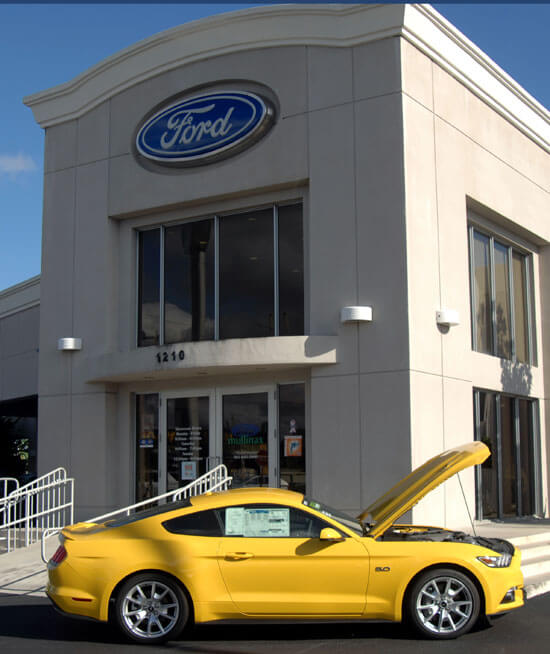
13, 164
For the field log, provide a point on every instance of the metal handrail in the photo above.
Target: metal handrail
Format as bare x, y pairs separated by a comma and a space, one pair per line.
216, 477
4, 484
45, 503
213, 480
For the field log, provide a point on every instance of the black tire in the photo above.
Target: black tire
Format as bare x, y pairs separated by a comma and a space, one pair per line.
442, 604
151, 608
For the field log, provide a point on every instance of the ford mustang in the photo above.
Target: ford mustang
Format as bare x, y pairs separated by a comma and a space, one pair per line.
266, 553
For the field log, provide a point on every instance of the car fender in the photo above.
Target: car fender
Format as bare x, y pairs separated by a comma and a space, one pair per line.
459, 564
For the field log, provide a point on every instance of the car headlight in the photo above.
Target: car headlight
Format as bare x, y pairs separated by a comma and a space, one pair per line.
502, 561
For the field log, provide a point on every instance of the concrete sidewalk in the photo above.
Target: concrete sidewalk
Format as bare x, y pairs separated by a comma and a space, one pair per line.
22, 572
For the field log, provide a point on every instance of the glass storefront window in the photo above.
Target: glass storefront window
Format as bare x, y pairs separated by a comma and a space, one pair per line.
147, 446
487, 433
149, 288
507, 481
189, 282
18, 429
246, 275
232, 276
481, 307
501, 310
292, 437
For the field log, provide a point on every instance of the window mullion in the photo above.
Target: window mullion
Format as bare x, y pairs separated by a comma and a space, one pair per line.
493, 295
529, 311
519, 502
161, 289
500, 498
512, 306
477, 437
216, 278
276, 270
473, 298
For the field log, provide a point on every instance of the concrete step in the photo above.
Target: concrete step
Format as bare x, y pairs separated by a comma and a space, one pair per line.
537, 585
536, 566
523, 541
534, 551
535, 562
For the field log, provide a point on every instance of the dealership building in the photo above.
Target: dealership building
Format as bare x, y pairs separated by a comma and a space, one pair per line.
309, 242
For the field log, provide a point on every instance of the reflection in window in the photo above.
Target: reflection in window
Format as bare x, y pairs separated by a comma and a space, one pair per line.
189, 282
500, 299
240, 261
149, 288
246, 275
482, 292
507, 481
487, 433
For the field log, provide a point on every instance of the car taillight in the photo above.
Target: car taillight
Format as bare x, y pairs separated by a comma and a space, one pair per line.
60, 554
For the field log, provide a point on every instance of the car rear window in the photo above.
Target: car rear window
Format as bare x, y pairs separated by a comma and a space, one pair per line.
148, 513
201, 523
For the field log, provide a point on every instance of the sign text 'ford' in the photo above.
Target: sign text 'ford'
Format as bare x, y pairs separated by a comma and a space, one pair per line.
204, 127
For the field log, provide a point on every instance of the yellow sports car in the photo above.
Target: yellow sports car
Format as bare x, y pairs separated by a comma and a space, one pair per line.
266, 553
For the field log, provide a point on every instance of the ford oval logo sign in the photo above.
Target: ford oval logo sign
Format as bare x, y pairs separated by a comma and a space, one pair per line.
204, 127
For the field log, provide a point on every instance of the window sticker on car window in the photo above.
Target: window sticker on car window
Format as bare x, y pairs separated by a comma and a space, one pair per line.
262, 523
234, 521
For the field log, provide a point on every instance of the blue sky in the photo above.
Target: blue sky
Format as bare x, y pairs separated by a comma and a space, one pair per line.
45, 45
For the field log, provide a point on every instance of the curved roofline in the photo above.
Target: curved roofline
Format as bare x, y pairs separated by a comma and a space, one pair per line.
299, 24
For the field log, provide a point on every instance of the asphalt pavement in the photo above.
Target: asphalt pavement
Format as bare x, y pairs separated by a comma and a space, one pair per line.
30, 624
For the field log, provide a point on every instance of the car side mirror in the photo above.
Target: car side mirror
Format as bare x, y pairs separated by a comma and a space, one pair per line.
330, 534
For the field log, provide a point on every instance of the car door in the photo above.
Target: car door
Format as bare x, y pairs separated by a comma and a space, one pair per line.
274, 563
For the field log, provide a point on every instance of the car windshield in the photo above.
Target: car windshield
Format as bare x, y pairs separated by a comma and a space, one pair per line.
340, 516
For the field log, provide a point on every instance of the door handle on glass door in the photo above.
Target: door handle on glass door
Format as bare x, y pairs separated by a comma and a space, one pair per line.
238, 556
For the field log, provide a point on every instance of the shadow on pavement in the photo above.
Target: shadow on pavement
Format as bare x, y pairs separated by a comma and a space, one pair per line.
35, 619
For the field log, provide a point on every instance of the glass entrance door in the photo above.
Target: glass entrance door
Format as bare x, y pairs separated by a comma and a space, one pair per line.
185, 441
181, 435
248, 438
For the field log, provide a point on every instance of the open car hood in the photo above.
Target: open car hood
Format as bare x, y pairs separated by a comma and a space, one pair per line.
405, 494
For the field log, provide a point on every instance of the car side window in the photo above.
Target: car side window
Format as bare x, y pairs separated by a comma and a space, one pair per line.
200, 523
269, 521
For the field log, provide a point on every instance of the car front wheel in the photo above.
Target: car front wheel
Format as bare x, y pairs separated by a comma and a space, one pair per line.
443, 604
151, 608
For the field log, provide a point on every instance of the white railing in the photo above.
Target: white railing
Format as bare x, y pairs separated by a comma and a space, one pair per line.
5, 483
29, 510
214, 480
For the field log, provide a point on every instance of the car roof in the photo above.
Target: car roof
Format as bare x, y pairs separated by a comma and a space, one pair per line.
248, 495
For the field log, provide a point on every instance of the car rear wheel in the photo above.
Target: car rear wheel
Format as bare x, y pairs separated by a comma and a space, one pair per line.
151, 608
443, 604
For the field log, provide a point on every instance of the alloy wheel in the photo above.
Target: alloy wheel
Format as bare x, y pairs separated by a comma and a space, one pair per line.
444, 605
150, 609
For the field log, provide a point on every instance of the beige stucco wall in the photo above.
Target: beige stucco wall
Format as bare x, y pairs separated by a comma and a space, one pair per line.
386, 149
461, 154
19, 330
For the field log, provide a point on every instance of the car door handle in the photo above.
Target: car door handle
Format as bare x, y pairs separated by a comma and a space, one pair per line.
238, 556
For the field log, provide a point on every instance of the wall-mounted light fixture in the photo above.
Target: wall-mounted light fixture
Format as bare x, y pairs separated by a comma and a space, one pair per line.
356, 314
69, 344
447, 317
